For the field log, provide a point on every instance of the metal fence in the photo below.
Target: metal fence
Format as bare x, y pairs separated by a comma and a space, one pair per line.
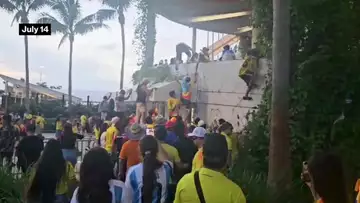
81, 145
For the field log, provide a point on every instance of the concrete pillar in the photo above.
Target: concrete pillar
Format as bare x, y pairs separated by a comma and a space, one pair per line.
193, 44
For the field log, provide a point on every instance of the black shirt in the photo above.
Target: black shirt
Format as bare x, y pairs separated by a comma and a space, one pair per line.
141, 94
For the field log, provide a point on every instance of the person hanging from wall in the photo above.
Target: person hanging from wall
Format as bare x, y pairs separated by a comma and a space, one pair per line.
248, 71
173, 105
186, 94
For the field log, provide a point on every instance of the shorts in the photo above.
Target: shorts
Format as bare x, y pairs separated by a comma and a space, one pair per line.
186, 103
247, 78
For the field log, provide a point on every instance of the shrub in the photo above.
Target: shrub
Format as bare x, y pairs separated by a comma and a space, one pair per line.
11, 189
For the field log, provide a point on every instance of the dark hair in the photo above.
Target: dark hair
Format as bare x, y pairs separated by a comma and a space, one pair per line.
96, 171
148, 120
227, 47
160, 132
105, 97
225, 126
149, 150
122, 92
68, 139
191, 128
215, 151
196, 121
172, 93
103, 128
179, 128
31, 128
221, 121
327, 173
50, 169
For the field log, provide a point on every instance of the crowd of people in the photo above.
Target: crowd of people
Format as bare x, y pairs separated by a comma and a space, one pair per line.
163, 160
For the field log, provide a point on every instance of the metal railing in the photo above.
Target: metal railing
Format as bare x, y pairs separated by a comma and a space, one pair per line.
81, 146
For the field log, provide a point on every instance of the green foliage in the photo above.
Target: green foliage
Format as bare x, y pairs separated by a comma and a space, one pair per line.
158, 74
325, 52
145, 33
11, 189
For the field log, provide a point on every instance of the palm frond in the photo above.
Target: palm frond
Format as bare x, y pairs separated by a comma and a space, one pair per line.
118, 4
8, 5
99, 16
74, 9
35, 5
82, 29
61, 9
17, 17
56, 26
64, 37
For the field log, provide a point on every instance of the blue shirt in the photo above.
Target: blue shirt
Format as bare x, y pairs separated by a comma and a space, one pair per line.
171, 138
185, 86
134, 178
116, 188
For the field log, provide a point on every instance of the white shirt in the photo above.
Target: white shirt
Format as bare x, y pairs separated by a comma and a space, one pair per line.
117, 189
133, 183
103, 139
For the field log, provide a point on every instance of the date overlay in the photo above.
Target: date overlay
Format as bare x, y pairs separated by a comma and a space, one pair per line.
34, 29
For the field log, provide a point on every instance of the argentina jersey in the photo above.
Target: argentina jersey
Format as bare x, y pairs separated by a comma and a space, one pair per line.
117, 189
133, 183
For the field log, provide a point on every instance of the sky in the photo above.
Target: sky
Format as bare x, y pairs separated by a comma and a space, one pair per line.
96, 57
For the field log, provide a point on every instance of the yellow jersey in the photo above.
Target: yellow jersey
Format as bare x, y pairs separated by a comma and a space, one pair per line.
227, 191
62, 186
109, 139
172, 153
40, 121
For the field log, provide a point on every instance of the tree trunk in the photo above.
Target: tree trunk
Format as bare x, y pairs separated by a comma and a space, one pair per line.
70, 73
122, 55
279, 151
150, 36
27, 83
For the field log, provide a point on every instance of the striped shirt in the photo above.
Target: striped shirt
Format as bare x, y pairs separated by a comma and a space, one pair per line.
133, 183
116, 188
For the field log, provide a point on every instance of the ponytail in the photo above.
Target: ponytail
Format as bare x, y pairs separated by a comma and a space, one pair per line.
150, 164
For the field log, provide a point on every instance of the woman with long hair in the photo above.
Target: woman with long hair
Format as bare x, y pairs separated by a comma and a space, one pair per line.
324, 175
97, 181
103, 128
52, 177
147, 182
68, 140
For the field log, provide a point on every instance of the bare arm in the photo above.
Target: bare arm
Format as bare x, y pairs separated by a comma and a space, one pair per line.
122, 169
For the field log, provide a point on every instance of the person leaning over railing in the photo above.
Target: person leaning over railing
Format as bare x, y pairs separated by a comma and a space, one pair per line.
201, 184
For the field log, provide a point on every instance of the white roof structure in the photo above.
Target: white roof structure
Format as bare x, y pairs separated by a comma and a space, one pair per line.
39, 89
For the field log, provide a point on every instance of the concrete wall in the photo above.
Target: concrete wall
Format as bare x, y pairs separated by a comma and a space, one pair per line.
219, 91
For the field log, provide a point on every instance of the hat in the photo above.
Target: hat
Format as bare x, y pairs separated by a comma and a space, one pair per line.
115, 120
201, 123
136, 132
198, 132
159, 120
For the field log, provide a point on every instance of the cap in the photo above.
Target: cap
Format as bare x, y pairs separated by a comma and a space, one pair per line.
201, 123
198, 132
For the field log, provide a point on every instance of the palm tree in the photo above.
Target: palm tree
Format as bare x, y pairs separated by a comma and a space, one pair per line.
117, 8
21, 10
70, 24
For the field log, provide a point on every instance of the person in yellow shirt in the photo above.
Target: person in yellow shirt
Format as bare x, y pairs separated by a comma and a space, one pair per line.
199, 185
111, 132
40, 120
198, 136
226, 130
83, 122
173, 154
248, 70
173, 105
59, 127
51, 178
